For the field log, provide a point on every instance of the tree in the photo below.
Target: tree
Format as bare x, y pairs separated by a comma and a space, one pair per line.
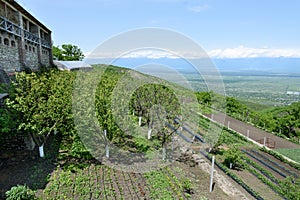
204, 97
57, 53
68, 52
8, 121
44, 100
159, 106
234, 156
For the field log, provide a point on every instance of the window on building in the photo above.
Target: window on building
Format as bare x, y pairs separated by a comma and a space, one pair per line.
13, 43
0, 40
33, 49
6, 41
29, 48
26, 47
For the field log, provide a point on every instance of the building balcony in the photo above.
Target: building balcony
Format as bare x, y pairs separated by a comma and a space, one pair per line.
16, 30
10, 27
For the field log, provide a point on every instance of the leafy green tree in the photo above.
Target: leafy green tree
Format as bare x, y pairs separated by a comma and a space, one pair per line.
214, 139
9, 119
158, 105
234, 156
44, 101
287, 119
204, 97
57, 53
68, 52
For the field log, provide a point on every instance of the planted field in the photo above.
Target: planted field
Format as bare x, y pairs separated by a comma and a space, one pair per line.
102, 182
293, 154
73, 172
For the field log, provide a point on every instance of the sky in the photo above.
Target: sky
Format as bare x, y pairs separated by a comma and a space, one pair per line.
223, 28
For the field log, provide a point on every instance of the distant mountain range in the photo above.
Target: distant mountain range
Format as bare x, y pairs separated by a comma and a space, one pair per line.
242, 66
280, 66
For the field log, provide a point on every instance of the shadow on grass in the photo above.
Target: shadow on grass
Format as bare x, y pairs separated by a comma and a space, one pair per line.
26, 167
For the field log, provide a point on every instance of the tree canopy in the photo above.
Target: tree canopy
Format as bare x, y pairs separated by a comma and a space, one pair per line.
67, 52
44, 101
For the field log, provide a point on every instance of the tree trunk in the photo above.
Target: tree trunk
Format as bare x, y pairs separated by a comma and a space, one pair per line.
140, 120
107, 151
164, 152
106, 145
149, 133
41, 151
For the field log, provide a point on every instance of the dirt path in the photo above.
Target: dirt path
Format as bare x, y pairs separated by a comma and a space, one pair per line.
254, 133
226, 184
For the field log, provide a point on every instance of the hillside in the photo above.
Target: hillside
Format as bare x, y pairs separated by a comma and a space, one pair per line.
147, 149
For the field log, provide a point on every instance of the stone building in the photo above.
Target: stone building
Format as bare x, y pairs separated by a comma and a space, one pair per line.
24, 41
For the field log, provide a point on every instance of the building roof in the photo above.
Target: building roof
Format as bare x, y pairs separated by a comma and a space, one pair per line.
71, 65
3, 95
27, 14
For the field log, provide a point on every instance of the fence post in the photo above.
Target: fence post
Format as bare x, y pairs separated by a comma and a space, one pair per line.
212, 174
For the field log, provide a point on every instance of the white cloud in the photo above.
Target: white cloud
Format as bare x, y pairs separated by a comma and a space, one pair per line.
153, 54
237, 52
199, 8
149, 54
247, 52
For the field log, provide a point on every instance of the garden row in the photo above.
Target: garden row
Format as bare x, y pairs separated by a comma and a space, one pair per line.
102, 182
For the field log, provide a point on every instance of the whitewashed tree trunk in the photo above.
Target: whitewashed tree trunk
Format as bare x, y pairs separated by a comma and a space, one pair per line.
107, 151
164, 152
140, 120
181, 127
149, 133
106, 145
41, 151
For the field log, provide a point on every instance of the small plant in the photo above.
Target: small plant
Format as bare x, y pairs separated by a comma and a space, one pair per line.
187, 186
233, 156
20, 192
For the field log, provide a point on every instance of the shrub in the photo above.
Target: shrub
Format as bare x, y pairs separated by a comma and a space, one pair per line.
234, 156
20, 192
